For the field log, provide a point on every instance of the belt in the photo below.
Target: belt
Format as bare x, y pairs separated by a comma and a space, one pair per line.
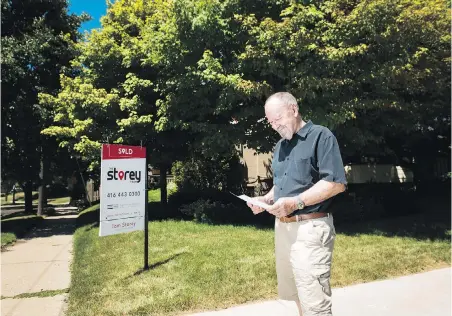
303, 217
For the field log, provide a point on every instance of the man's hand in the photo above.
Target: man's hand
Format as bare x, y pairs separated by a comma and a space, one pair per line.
257, 209
283, 207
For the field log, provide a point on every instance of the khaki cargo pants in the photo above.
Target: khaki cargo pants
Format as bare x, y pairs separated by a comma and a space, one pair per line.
304, 253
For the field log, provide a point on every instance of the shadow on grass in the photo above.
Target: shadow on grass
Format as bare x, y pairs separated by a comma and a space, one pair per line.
433, 222
426, 225
431, 226
156, 264
89, 217
17, 214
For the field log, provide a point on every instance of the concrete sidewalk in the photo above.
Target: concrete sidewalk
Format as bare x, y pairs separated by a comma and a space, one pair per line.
39, 262
424, 294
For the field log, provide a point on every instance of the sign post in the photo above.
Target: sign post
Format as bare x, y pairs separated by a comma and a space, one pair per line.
146, 235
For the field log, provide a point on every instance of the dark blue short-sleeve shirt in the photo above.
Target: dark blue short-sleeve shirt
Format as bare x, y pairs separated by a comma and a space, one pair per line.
311, 155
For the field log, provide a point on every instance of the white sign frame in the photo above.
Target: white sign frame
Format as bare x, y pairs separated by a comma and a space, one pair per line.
123, 189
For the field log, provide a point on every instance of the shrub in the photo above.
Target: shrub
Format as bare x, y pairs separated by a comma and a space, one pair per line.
201, 210
220, 208
363, 202
203, 189
172, 188
190, 195
201, 173
216, 212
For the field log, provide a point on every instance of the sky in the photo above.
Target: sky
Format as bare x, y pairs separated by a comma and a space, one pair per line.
95, 8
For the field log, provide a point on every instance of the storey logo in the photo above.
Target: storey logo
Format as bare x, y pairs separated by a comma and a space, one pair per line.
133, 176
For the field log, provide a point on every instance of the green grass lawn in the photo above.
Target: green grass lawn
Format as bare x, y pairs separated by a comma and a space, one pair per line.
20, 199
8, 238
198, 267
60, 200
16, 227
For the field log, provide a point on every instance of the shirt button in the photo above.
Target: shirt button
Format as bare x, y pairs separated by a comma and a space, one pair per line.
285, 173
287, 158
280, 188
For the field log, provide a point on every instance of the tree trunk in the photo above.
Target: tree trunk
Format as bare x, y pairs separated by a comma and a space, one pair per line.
163, 185
41, 199
28, 195
43, 179
14, 197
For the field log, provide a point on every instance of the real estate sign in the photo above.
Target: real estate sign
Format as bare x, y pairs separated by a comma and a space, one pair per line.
123, 189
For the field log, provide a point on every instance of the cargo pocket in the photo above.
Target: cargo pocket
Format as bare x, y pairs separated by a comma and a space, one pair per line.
321, 292
315, 291
324, 280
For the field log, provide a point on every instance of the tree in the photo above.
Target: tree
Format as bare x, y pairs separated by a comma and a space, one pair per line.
178, 74
117, 96
37, 43
375, 72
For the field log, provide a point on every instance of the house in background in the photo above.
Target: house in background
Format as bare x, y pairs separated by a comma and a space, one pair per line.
258, 169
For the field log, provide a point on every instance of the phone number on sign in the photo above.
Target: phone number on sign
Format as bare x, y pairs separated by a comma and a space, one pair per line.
123, 194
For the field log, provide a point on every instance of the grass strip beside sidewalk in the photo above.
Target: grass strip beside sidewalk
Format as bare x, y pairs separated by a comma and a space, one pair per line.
20, 199
8, 238
46, 293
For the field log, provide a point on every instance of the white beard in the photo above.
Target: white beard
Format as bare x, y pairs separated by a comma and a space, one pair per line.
284, 133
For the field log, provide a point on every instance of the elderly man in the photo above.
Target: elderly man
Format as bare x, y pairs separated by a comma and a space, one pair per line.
307, 172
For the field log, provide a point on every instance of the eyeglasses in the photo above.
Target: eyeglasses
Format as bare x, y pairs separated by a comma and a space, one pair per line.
275, 120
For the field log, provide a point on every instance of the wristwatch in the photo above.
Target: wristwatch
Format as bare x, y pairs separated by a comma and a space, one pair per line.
300, 203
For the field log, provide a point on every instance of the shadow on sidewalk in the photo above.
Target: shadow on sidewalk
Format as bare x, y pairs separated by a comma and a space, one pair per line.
52, 227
